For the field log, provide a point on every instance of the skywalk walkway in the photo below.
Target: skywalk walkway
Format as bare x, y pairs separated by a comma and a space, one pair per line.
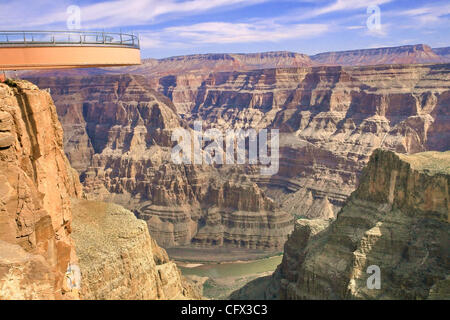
67, 49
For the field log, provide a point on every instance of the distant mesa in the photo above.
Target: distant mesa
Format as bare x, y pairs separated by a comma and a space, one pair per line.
410, 54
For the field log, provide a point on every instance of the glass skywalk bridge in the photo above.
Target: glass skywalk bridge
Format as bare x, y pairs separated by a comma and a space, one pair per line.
67, 49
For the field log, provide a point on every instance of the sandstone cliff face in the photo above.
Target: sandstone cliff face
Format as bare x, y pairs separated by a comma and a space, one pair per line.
119, 259
38, 191
88, 108
181, 89
36, 184
397, 219
121, 145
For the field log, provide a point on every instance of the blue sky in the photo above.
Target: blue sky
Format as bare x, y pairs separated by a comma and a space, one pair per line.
176, 27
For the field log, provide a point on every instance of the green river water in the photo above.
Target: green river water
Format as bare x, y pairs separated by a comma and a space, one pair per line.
233, 269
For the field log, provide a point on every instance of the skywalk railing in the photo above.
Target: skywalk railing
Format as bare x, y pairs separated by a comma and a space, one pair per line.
67, 38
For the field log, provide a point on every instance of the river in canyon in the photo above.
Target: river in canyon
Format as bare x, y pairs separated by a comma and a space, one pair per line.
221, 279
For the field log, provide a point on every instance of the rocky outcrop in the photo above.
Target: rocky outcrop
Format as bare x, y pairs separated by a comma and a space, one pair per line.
397, 220
330, 120
419, 53
36, 185
81, 100
117, 257
239, 214
181, 89
119, 260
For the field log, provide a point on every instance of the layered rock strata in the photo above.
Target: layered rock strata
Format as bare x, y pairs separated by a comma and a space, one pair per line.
397, 220
121, 144
330, 120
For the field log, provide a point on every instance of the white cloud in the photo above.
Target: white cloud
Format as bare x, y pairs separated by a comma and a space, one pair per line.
381, 32
150, 41
343, 5
222, 32
427, 15
109, 14
355, 27
139, 12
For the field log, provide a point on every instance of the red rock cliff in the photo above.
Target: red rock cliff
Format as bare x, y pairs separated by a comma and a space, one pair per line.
36, 185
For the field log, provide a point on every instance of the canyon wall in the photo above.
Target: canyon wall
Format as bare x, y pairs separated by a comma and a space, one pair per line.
45, 227
180, 77
36, 185
119, 260
330, 121
119, 138
397, 220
